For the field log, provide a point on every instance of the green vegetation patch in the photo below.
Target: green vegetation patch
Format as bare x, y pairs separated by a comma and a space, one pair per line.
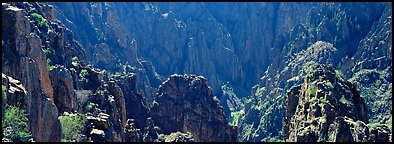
49, 64
72, 127
14, 124
39, 20
311, 90
329, 85
84, 73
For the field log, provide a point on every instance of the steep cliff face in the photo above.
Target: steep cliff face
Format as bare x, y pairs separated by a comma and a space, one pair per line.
371, 68
68, 58
337, 23
22, 59
186, 104
41, 52
270, 111
108, 39
184, 37
327, 108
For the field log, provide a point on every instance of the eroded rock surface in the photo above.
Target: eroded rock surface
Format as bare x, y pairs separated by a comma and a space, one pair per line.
185, 103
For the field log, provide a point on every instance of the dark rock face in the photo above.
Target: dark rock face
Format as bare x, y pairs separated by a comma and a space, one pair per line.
371, 68
186, 104
135, 104
132, 134
326, 108
339, 24
193, 37
22, 59
48, 72
107, 39
65, 97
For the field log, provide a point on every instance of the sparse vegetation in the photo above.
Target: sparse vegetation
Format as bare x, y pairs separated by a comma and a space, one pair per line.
39, 20
311, 90
14, 124
84, 73
344, 100
235, 117
338, 74
49, 64
47, 51
329, 85
72, 127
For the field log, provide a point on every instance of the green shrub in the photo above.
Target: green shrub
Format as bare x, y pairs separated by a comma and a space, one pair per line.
47, 51
344, 100
374, 125
338, 74
72, 127
15, 127
329, 85
311, 90
39, 20
84, 73
236, 117
49, 64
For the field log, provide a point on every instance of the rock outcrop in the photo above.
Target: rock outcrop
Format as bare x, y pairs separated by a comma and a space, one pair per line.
339, 24
66, 99
23, 60
135, 104
132, 134
185, 103
83, 58
176, 137
371, 68
327, 108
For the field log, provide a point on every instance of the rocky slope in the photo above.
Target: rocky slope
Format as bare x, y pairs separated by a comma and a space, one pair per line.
24, 60
185, 103
328, 108
336, 23
184, 37
76, 67
58, 88
371, 68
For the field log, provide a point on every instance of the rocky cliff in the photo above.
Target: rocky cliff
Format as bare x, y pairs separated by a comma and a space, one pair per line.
328, 108
336, 23
185, 103
24, 60
184, 37
94, 71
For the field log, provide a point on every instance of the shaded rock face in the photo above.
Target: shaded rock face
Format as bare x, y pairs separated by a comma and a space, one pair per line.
185, 103
23, 60
326, 108
132, 134
339, 24
192, 38
371, 68
110, 101
107, 39
135, 104
66, 99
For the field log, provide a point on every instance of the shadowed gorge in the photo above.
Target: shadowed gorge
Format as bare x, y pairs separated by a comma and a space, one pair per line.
197, 71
